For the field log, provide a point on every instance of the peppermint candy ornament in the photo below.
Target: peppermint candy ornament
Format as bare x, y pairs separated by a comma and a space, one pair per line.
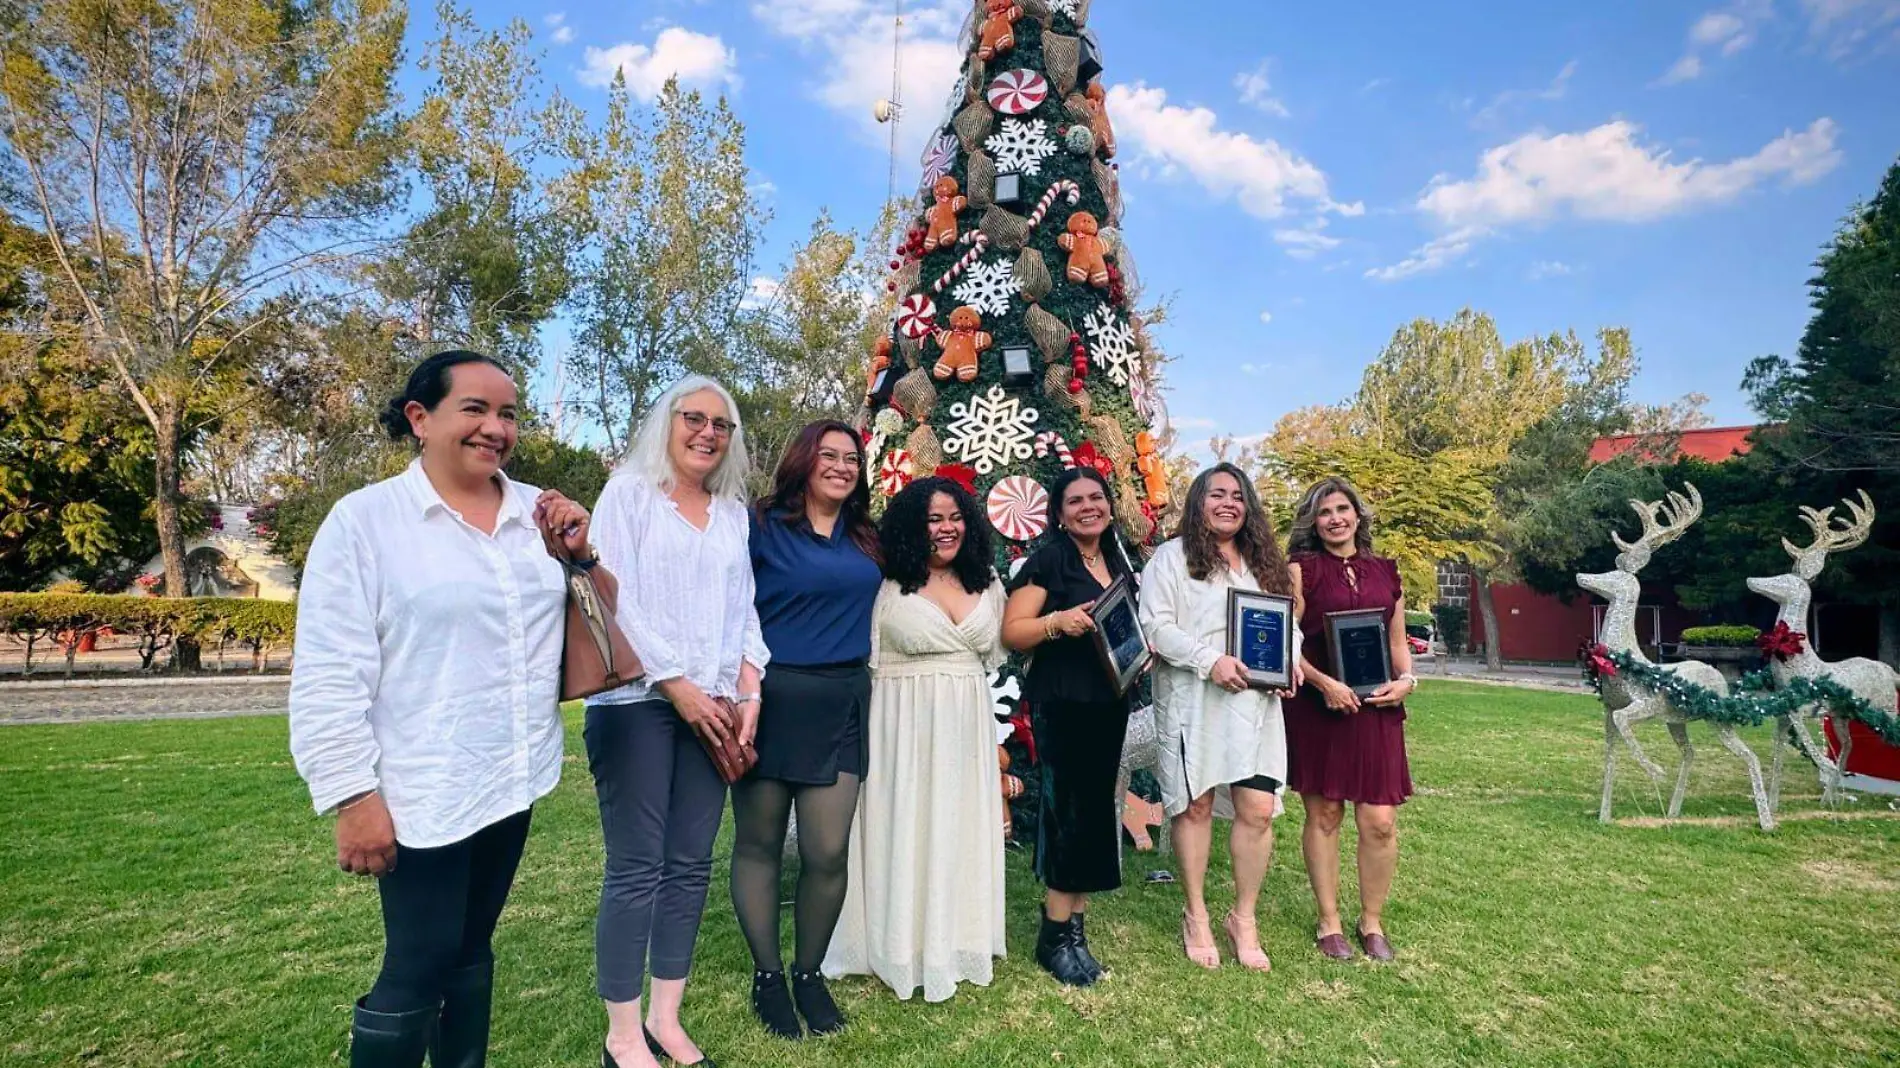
1017, 92
1019, 508
916, 316
894, 473
939, 156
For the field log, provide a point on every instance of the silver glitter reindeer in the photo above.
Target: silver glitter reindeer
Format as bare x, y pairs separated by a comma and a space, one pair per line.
1870, 680
1627, 702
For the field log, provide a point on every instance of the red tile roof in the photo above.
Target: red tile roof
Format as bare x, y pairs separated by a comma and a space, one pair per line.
1714, 444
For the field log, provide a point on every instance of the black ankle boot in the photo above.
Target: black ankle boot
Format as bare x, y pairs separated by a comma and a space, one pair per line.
1055, 952
772, 1004
390, 1039
461, 1035
814, 1003
1079, 938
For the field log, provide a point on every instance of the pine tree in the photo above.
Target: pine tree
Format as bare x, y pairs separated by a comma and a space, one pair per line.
1014, 351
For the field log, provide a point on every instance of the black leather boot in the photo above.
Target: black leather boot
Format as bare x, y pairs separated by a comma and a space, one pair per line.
772, 1004
1079, 938
390, 1039
814, 1003
1055, 952
461, 1036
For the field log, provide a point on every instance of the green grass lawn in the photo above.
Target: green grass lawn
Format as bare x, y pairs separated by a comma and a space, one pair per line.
166, 897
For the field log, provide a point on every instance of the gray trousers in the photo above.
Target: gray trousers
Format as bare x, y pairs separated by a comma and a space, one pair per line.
660, 805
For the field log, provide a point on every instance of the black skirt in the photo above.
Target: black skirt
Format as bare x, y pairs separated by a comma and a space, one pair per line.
812, 723
1078, 838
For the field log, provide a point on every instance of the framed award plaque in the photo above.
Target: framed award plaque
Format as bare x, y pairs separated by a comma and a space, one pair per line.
1260, 636
1361, 649
1118, 636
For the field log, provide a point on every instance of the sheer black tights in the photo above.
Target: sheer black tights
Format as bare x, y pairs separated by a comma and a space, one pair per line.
761, 810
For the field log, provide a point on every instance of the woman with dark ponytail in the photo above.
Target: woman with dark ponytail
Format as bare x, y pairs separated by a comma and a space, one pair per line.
424, 699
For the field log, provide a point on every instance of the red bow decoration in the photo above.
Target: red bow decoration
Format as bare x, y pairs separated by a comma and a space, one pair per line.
1022, 731
1598, 658
1782, 641
962, 474
1087, 455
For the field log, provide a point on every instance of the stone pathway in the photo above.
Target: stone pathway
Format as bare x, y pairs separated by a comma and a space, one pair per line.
89, 702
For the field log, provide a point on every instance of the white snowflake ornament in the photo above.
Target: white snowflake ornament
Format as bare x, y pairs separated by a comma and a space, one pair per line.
1064, 7
988, 287
1021, 146
991, 428
1112, 345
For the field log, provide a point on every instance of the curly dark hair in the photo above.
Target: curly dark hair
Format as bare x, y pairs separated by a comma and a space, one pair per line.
905, 536
1305, 536
786, 502
1254, 541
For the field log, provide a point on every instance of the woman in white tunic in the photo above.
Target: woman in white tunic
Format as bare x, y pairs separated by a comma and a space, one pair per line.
1217, 734
924, 907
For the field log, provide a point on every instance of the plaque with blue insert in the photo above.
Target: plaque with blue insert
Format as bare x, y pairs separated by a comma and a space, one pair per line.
1260, 636
1361, 649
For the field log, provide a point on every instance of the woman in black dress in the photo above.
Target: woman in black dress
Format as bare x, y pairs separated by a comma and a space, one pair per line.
1079, 719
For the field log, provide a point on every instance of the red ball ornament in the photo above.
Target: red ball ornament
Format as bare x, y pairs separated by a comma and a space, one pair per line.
890, 287
895, 264
1075, 385
1075, 339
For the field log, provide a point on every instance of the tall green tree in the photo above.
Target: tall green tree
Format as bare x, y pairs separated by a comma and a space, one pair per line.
187, 161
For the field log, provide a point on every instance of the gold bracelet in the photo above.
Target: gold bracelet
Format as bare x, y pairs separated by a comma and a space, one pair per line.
1048, 628
353, 802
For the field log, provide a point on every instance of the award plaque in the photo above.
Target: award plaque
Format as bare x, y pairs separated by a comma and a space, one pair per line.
1260, 635
1361, 649
1118, 637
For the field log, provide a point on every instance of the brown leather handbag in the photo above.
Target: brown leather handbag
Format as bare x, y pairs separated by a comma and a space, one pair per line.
597, 656
732, 761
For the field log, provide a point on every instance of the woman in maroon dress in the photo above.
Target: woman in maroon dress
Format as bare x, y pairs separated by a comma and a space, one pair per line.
1341, 747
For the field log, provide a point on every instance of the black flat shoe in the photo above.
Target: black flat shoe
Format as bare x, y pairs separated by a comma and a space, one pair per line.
660, 1054
1057, 955
815, 1003
772, 1004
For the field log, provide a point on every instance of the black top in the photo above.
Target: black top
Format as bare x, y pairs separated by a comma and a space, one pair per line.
1065, 668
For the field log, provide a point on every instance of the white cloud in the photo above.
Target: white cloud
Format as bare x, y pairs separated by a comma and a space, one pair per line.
561, 32
1374, 85
1550, 269
1604, 173
1845, 26
1432, 255
762, 291
853, 37
1255, 90
1725, 31
1266, 316
1303, 243
695, 58
1558, 88
1255, 369
1193, 422
1261, 175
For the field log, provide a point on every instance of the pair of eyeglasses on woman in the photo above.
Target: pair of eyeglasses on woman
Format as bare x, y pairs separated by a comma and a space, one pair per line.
841, 459
696, 422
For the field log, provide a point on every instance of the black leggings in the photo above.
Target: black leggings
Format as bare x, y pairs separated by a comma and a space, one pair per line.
439, 912
760, 811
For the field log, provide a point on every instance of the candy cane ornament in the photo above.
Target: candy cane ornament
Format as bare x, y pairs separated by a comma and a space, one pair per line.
979, 243
1049, 441
1049, 197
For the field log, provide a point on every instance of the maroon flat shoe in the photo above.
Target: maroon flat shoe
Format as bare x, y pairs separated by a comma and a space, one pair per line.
1334, 946
1375, 945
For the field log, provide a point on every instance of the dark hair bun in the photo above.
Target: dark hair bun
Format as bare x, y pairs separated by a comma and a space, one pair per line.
428, 384
395, 418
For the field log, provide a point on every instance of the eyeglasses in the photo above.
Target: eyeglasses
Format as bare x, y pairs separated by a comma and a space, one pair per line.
841, 459
696, 422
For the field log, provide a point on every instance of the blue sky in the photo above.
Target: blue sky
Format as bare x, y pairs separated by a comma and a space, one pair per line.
1302, 179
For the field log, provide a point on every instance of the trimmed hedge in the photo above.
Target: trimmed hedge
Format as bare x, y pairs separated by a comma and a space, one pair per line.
1726, 635
158, 622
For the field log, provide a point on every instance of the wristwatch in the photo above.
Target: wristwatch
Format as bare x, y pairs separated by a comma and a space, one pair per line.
588, 562
1411, 678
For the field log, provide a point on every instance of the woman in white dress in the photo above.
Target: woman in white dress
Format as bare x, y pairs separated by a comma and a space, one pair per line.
1217, 733
924, 906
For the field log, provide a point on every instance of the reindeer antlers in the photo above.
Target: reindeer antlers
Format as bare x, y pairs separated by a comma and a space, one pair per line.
1828, 537
1663, 522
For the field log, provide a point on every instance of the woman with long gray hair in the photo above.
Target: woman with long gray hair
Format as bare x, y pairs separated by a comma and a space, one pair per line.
672, 524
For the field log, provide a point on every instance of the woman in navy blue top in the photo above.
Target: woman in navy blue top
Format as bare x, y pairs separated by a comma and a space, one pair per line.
815, 559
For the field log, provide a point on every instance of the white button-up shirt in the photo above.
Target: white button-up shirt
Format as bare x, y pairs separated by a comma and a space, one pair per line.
428, 660
685, 593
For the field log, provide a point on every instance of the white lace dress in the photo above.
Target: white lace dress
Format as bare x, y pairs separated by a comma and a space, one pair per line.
924, 907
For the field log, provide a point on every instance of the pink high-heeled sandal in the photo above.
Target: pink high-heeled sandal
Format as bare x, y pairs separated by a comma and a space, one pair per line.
1245, 935
1208, 955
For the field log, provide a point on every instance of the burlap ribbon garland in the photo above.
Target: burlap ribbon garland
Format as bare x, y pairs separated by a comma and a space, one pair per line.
1055, 386
916, 394
1032, 275
1049, 333
979, 180
1006, 229
1110, 184
926, 454
973, 124
1062, 56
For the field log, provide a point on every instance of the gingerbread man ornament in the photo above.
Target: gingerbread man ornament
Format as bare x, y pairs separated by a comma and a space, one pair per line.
1083, 243
1153, 471
1099, 125
960, 345
999, 30
940, 221
880, 360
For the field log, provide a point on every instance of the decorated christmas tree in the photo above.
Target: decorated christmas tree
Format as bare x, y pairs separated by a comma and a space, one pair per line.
1014, 351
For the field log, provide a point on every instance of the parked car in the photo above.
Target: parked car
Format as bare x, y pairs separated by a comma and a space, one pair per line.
1418, 645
